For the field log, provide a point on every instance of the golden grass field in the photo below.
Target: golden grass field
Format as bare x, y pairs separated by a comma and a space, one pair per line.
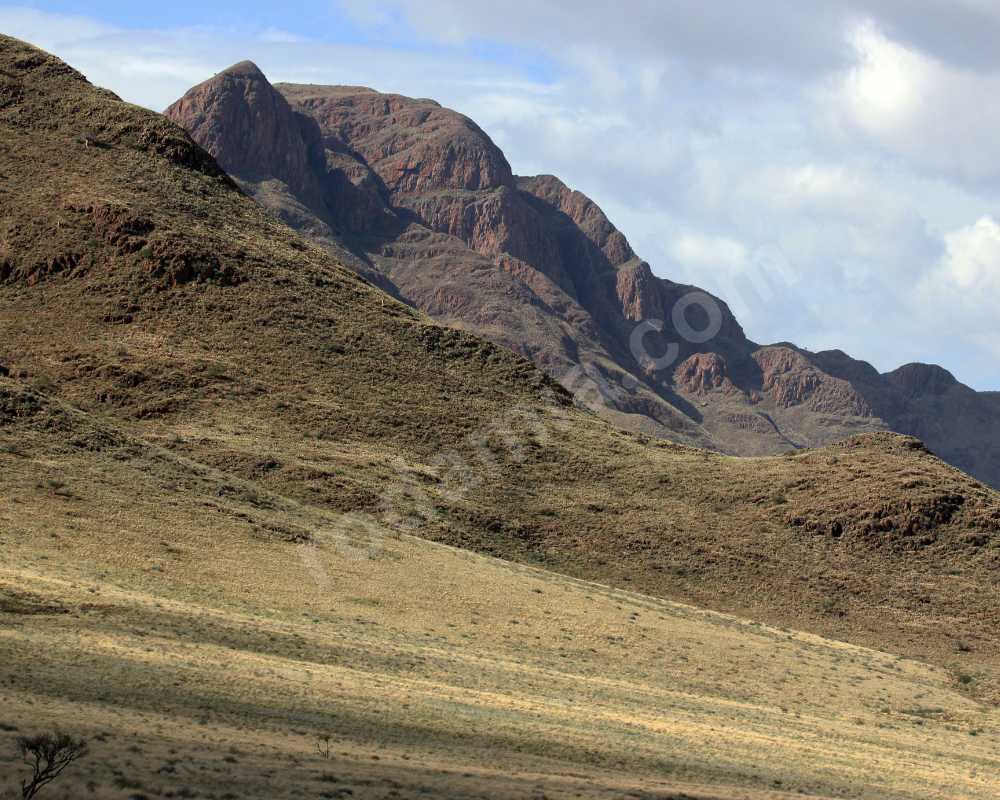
203, 661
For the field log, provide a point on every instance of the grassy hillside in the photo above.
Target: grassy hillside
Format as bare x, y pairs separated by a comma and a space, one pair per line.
196, 400
150, 604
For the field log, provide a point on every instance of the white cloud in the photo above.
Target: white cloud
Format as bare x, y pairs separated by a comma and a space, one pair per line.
49, 31
776, 35
278, 35
148, 68
966, 283
155, 67
959, 299
698, 251
937, 117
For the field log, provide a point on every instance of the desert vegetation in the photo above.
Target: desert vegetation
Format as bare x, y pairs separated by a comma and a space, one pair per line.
47, 756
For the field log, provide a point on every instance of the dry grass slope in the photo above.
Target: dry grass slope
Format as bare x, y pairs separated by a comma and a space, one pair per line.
148, 600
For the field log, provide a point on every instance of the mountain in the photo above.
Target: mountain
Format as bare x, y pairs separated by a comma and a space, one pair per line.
142, 286
420, 201
251, 500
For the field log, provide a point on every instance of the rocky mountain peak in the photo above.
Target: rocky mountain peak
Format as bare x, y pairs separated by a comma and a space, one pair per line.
915, 380
245, 70
414, 146
250, 128
419, 200
791, 379
584, 213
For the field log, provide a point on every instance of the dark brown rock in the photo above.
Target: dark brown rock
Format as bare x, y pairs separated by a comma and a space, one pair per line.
920, 380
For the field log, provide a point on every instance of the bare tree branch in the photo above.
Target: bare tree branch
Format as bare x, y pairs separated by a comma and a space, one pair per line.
47, 755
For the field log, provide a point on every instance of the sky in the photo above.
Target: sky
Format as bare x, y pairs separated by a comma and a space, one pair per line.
831, 169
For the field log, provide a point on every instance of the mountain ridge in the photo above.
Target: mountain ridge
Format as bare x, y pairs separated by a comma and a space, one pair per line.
430, 210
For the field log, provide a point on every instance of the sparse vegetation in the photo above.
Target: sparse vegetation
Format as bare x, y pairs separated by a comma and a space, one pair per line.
48, 755
323, 744
57, 487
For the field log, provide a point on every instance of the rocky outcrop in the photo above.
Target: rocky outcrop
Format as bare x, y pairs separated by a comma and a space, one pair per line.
584, 213
704, 373
791, 379
252, 130
639, 293
414, 146
278, 153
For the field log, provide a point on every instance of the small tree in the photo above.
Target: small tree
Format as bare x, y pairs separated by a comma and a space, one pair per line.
48, 755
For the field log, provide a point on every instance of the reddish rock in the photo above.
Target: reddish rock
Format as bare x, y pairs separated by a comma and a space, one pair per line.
414, 146
703, 373
639, 293
419, 200
584, 213
239, 118
258, 138
791, 379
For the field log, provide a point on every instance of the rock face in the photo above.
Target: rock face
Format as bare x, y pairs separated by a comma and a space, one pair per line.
922, 380
791, 379
704, 373
278, 154
418, 199
241, 117
414, 146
